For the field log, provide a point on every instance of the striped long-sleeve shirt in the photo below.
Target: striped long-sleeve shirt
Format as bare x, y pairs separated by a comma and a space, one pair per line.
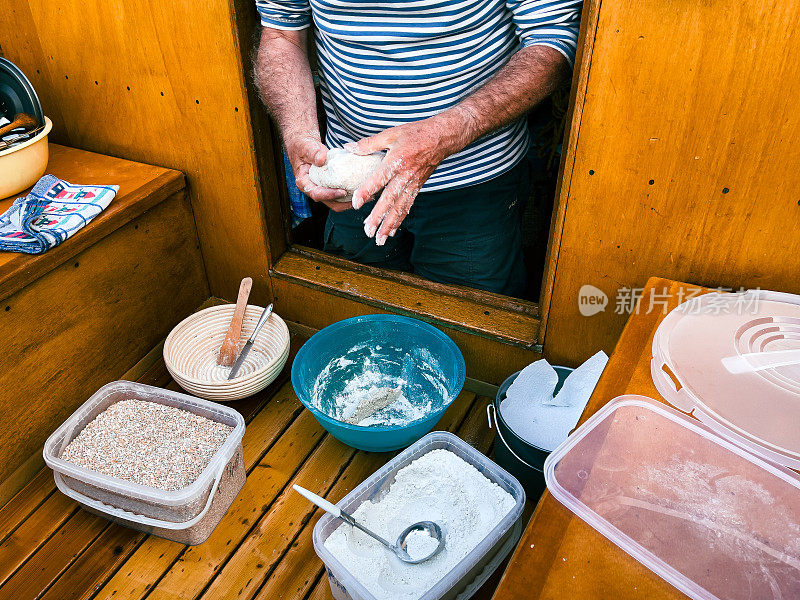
387, 62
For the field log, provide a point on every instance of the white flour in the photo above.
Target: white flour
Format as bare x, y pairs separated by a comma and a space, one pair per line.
419, 544
350, 384
439, 487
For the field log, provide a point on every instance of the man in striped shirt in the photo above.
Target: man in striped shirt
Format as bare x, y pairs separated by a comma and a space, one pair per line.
443, 86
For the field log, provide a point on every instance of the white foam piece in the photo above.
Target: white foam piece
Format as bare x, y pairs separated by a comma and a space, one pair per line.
537, 381
580, 384
531, 411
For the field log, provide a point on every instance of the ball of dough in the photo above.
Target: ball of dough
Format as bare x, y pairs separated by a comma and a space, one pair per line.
345, 170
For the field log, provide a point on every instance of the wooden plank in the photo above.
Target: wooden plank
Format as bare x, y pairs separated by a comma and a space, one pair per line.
578, 90
108, 551
322, 590
20, 477
475, 428
146, 363
141, 187
300, 568
173, 94
25, 502
680, 169
403, 279
274, 531
115, 301
266, 141
455, 312
156, 375
33, 533
55, 555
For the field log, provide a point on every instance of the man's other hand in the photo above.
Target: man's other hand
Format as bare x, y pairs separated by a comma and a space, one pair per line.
415, 150
304, 151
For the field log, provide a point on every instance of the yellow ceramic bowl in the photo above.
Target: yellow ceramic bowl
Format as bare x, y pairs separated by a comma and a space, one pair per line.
22, 165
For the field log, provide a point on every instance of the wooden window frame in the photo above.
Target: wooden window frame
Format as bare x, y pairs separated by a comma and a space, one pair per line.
512, 321
485, 314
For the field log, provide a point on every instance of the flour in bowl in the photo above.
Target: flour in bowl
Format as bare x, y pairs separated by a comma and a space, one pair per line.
439, 486
380, 386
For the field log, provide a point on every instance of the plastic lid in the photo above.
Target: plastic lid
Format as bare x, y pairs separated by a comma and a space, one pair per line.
696, 349
709, 517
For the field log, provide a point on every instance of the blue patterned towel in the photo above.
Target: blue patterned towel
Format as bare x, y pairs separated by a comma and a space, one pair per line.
53, 211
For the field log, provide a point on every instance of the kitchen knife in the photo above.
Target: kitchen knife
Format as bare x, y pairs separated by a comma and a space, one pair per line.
264, 317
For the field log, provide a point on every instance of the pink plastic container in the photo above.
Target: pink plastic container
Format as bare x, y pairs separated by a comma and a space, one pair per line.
705, 501
714, 520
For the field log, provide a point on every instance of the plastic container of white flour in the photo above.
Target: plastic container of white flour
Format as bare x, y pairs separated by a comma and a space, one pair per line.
187, 515
467, 575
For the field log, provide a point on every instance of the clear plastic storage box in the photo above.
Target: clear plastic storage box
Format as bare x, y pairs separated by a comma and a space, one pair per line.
705, 501
188, 515
714, 520
469, 574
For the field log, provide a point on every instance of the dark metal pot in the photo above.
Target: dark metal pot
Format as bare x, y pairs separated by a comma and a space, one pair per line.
523, 460
16, 93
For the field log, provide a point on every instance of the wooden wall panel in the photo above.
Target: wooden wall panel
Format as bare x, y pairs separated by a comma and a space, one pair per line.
685, 158
88, 321
162, 82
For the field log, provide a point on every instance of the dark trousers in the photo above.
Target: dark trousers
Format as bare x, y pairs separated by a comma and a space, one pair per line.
467, 236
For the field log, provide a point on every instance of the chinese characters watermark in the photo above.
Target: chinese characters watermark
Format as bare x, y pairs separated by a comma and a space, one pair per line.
630, 300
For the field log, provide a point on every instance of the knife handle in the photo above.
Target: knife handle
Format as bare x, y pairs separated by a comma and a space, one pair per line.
263, 319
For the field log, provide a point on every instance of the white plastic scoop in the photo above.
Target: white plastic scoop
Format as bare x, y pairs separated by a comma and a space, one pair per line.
400, 547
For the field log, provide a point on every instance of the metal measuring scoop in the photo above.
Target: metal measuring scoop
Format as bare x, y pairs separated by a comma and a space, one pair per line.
399, 548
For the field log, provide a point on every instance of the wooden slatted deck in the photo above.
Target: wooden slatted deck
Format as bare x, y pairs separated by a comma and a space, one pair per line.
51, 549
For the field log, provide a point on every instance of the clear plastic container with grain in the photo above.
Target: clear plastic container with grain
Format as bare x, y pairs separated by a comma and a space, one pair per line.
474, 569
187, 515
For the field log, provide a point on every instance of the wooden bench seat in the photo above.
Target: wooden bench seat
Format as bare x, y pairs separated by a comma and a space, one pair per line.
141, 187
51, 549
87, 310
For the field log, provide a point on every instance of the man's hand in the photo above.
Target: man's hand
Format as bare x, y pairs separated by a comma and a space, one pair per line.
415, 150
303, 151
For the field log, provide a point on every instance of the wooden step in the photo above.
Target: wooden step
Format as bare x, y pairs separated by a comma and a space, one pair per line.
86, 311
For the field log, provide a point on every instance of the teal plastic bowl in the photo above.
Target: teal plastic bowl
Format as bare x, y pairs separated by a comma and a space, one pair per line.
399, 348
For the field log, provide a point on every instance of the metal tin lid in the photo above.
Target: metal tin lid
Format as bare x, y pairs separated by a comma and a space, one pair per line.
16, 93
706, 515
729, 359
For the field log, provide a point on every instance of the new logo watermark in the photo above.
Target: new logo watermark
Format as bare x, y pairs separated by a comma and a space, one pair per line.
591, 300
